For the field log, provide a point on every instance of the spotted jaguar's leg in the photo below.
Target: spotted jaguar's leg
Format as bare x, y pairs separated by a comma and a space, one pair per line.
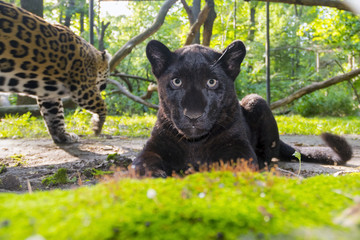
92, 101
53, 113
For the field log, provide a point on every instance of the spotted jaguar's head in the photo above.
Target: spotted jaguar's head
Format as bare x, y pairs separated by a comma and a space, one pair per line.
195, 84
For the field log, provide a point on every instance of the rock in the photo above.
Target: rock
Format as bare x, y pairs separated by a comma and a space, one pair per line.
10, 182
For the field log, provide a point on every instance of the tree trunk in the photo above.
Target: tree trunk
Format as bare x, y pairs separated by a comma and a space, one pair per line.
69, 12
209, 23
91, 22
196, 11
267, 53
82, 16
315, 86
101, 35
296, 60
36, 7
197, 24
251, 34
189, 12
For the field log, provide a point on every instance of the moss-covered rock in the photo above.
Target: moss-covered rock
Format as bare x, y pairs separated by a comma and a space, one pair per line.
227, 205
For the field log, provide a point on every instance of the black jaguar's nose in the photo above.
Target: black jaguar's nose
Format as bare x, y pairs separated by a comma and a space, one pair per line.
193, 115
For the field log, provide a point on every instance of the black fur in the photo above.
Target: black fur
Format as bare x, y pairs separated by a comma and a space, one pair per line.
200, 120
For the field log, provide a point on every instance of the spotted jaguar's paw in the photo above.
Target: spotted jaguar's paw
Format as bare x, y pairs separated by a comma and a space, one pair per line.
66, 138
97, 123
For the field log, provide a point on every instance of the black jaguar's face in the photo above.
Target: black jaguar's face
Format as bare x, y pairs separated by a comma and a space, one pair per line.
194, 86
192, 92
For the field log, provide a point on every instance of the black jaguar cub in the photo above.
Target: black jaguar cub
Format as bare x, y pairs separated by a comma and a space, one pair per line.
200, 120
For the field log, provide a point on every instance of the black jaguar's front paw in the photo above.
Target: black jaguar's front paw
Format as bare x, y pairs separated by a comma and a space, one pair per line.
142, 170
149, 164
158, 173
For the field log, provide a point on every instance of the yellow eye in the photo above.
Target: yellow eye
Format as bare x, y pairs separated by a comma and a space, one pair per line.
176, 82
212, 83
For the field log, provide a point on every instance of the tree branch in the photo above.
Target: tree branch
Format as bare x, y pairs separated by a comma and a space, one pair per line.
189, 12
341, 5
315, 86
131, 96
151, 88
196, 26
127, 48
309, 49
132, 76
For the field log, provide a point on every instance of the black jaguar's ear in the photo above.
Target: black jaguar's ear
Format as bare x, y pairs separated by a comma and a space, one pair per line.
159, 56
232, 57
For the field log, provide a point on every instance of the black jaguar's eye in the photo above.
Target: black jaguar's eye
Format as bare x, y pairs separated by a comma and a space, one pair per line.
176, 82
212, 83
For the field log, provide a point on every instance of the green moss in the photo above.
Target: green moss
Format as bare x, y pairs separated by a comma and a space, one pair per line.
200, 206
111, 156
60, 177
19, 160
118, 160
92, 172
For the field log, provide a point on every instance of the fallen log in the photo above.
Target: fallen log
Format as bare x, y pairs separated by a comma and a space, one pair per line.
313, 87
32, 108
20, 109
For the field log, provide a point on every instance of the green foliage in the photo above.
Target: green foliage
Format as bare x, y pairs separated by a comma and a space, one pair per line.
200, 206
333, 28
297, 32
15, 126
329, 102
60, 177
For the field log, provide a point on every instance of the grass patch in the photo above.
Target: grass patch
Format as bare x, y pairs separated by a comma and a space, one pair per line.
141, 126
216, 205
316, 125
14, 126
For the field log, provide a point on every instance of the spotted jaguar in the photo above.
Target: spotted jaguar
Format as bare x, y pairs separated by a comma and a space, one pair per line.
49, 62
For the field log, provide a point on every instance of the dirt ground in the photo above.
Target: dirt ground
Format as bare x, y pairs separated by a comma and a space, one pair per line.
29, 161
